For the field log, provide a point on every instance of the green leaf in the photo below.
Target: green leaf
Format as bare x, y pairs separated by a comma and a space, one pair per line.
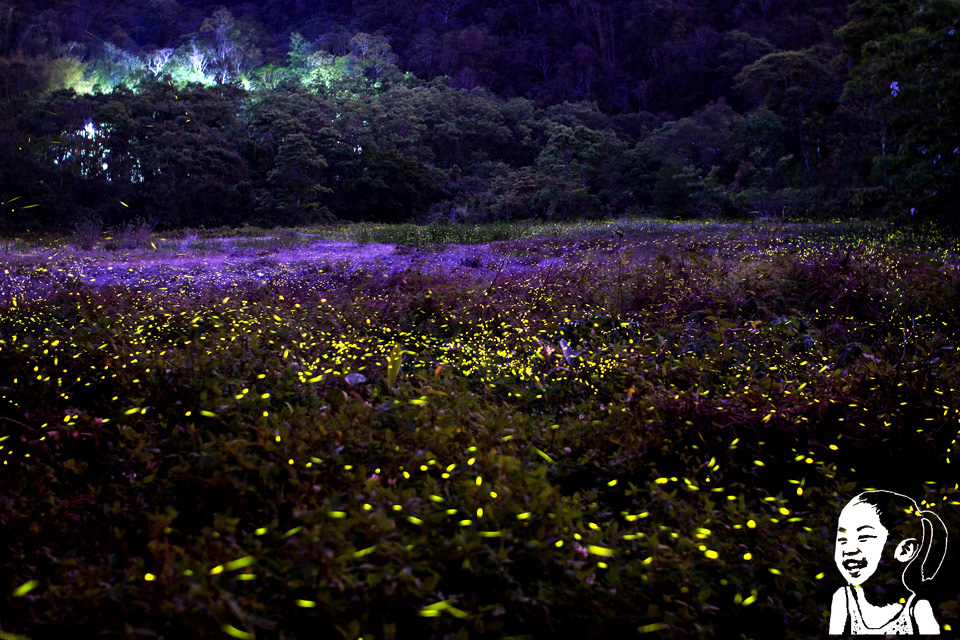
394, 360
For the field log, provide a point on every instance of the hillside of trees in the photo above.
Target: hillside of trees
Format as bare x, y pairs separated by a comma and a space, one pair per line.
297, 111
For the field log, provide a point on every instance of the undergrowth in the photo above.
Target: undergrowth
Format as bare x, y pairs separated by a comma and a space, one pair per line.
653, 437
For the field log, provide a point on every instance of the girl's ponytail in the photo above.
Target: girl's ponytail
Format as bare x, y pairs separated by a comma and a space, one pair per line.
904, 519
932, 560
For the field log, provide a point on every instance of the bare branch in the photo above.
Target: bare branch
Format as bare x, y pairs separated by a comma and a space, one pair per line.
158, 59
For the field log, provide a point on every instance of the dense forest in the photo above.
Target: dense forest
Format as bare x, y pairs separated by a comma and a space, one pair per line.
291, 112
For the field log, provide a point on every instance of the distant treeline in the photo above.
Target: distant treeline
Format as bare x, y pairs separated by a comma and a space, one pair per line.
673, 56
226, 126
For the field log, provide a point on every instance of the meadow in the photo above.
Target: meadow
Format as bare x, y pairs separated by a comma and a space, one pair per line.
503, 431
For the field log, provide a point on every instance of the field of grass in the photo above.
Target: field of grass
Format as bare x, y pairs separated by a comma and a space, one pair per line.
586, 432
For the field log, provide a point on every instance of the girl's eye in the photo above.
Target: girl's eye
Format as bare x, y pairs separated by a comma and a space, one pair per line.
865, 538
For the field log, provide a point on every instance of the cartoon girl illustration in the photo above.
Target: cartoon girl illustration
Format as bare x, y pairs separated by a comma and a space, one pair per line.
886, 549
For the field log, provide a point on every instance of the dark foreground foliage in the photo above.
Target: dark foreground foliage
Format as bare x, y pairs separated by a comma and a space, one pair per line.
655, 432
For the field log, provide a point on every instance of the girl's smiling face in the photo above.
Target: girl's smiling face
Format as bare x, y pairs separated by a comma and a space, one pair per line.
860, 542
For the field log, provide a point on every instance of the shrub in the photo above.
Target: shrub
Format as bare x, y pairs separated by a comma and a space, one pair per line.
132, 234
87, 232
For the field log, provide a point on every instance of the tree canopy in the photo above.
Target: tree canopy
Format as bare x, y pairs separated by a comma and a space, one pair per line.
296, 111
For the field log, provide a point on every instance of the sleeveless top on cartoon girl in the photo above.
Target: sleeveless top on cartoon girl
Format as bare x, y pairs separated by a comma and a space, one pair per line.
880, 536
901, 624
